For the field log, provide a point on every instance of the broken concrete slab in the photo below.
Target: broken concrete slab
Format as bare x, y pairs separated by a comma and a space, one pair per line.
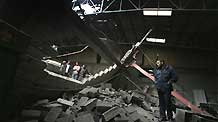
130, 109
82, 101
111, 113
65, 102
121, 119
89, 91
103, 106
90, 104
137, 98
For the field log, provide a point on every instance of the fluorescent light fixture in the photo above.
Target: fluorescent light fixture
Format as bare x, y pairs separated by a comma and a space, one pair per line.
157, 11
156, 40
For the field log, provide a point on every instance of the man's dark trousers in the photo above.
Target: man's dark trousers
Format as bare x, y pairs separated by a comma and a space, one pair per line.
165, 103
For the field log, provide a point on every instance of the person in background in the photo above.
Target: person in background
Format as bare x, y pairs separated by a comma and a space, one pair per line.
76, 69
63, 67
67, 70
164, 75
82, 73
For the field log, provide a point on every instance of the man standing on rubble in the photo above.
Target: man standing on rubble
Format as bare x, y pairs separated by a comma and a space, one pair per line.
164, 75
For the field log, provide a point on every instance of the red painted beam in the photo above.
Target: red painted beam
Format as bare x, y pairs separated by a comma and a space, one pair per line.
173, 93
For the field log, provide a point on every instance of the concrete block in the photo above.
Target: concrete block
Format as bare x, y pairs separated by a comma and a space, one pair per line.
90, 104
137, 98
152, 99
125, 96
134, 116
85, 90
144, 113
53, 114
119, 100
130, 109
31, 113
82, 101
103, 106
121, 119
111, 113
85, 118
93, 92
89, 91
146, 106
65, 102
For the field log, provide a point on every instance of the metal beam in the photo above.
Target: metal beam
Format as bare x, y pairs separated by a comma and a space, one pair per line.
136, 5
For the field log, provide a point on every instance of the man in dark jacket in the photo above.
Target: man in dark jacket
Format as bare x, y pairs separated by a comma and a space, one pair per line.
164, 75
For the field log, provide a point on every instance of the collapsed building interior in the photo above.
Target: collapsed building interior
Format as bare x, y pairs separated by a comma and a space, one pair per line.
37, 36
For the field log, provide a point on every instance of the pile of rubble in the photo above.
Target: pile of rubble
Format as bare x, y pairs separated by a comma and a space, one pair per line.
105, 104
91, 104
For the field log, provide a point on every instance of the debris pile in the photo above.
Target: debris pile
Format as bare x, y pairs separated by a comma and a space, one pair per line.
103, 104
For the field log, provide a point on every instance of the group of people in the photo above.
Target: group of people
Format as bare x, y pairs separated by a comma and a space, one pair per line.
75, 71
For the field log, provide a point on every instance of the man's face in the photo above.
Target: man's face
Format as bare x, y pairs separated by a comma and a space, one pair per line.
158, 63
